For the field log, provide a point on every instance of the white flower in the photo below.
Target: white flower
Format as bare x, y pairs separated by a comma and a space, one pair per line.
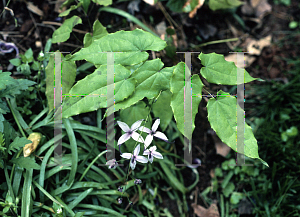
59, 211
112, 164
152, 133
130, 132
134, 157
152, 153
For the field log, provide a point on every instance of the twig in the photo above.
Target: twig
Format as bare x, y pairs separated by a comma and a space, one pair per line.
59, 24
166, 14
38, 31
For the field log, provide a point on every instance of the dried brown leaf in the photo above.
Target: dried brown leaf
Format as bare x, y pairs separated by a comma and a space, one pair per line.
194, 11
200, 211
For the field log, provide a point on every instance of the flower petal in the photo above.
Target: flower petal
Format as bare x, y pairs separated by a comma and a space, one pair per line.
145, 129
148, 140
146, 152
153, 148
123, 138
123, 126
141, 159
132, 164
126, 155
136, 125
157, 155
160, 136
136, 150
150, 158
112, 161
137, 137
155, 125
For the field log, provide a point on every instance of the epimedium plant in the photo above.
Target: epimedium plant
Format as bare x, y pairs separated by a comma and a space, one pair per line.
137, 78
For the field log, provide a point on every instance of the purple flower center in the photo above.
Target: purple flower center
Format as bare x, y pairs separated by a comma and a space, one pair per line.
133, 159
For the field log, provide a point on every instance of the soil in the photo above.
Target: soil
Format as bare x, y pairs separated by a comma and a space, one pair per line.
270, 64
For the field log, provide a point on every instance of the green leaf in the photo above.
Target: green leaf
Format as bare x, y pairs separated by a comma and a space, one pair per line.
228, 189
85, 5
35, 65
223, 4
218, 71
222, 112
66, 12
293, 131
191, 6
48, 46
62, 34
29, 55
15, 62
68, 76
17, 144
162, 109
131, 46
5, 80
176, 5
24, 69
250, 171
236, 197
174, 182
3, 107
16, 88
98, 32
177, 85
26, 162
151, 79
96, 84
103, 2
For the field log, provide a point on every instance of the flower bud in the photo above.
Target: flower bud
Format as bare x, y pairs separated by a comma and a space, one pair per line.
120, 188
137, 181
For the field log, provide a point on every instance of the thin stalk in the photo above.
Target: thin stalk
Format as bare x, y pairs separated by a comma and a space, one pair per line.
214, 42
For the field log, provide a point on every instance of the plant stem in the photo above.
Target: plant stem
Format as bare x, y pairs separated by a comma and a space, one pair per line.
214, 42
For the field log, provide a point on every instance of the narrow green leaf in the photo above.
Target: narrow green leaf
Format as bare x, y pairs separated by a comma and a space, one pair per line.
101, 208
218, 71
223, 4
62, 34
222, 112
73, 146
26, 195
174, 182
103, 2
67, 12
68, 76
177, 85
80, 197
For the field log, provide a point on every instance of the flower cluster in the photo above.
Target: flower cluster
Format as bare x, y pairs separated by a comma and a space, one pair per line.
134, 157
131, 133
